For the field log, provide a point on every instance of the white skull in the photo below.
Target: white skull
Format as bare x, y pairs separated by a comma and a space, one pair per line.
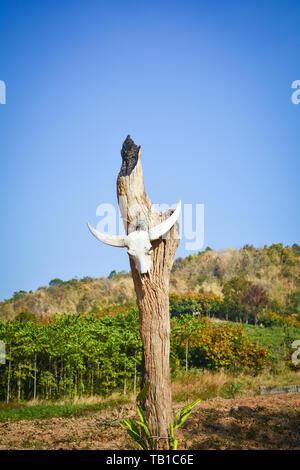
140, 249
138, 242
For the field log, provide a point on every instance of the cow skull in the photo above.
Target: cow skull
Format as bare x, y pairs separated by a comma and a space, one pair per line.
138, 242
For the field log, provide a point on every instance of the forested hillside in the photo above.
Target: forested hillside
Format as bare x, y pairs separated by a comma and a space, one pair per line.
251, 280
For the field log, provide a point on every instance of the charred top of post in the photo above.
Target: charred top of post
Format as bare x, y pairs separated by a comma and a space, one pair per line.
129, 153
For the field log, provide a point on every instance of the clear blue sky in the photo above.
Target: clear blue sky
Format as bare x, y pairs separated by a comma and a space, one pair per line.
204, 87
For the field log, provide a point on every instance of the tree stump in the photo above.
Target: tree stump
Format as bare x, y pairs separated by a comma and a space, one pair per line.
152, 295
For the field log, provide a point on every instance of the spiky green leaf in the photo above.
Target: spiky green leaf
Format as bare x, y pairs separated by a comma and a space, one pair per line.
143, 392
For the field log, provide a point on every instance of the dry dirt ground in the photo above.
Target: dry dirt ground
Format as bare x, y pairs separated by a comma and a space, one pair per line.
263, 422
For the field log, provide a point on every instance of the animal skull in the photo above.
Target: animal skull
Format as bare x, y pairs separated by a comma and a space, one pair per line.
138, 242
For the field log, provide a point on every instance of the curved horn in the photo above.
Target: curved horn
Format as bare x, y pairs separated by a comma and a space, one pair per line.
113, 240
164, 227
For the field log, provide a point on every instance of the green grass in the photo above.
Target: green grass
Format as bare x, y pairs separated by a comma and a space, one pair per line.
272, 336
55, 411
276, 339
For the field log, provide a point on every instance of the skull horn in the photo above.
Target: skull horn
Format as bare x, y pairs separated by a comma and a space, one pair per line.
164, 227
113, 240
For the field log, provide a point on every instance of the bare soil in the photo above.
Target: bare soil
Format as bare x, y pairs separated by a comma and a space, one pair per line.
262, 422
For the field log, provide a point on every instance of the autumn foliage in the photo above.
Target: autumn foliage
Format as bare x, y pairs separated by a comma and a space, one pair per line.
214, 346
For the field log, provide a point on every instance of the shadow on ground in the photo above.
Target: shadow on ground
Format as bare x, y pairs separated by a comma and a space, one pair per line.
243, 427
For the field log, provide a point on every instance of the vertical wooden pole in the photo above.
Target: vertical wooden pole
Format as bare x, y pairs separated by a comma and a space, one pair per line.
152, 295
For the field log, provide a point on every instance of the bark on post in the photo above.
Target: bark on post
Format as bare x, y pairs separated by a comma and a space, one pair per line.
152, 295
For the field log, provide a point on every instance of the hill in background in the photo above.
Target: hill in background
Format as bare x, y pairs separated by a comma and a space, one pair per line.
274, 270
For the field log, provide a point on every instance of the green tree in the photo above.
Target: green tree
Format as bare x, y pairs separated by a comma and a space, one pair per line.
25, 316
56, 282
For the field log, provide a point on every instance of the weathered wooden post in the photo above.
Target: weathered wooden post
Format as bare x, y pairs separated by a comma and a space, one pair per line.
152, 239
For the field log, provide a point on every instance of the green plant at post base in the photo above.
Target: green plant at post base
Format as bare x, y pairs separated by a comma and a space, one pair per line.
173, 442
180, 418
139, 430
